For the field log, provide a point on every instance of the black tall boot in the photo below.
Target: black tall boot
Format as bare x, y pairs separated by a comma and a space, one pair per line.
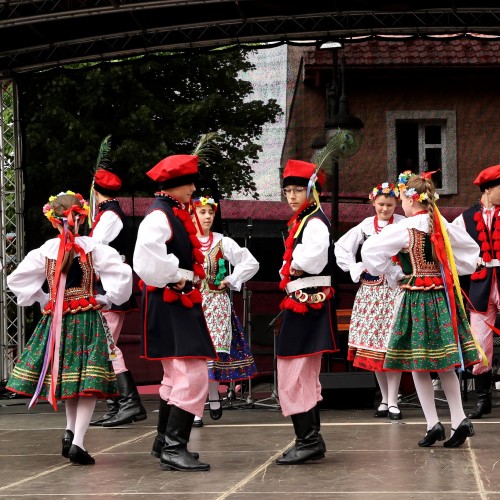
482, 384
159, 442
112, 411
308, 442
130, 408
174, 454
318, 427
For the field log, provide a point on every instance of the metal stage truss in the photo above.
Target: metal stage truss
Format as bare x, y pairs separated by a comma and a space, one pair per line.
40, 34
12, 317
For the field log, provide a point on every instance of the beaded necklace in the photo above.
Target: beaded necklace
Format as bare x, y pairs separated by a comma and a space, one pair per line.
377, 227
205, 245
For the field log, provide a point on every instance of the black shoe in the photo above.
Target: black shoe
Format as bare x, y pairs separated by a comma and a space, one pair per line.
159, 443
381, 413
198, 423
67, 441
77, 456
460, 434
215, 414
435, 434
181, 460
395, 415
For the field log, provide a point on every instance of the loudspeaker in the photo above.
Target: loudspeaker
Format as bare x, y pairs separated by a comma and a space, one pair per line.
343, 390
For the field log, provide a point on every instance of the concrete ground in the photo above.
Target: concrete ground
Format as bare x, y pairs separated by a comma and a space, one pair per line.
367, 458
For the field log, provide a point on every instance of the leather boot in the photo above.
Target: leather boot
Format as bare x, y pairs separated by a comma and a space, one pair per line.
159, 442
112, 411
318, 427
482, 383
174, 454
130, 408
308, 444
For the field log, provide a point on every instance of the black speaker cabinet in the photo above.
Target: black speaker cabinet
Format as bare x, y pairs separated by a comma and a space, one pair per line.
343, 390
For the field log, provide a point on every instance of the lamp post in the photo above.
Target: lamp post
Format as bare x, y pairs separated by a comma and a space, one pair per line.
337, 117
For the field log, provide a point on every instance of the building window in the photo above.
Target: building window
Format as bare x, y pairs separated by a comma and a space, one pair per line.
421, 141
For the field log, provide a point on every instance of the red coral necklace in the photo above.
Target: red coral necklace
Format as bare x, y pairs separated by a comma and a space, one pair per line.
377, 227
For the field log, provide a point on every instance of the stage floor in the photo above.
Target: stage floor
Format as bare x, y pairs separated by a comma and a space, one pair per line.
367, 458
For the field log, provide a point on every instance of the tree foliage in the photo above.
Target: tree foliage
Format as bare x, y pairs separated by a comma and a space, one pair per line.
153, 107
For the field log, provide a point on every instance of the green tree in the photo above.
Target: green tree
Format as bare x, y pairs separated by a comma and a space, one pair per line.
153, 107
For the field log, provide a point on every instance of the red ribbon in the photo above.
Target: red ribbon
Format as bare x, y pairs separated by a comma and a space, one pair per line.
71, 245
438, 241
75, 209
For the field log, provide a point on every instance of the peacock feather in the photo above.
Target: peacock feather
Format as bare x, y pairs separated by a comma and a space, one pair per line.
103, 155
207, 147
343, 144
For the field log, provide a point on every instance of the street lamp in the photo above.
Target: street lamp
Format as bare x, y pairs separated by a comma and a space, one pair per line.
337, 117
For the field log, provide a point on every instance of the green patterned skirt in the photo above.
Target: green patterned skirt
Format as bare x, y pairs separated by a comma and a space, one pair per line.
84, 365
423, 338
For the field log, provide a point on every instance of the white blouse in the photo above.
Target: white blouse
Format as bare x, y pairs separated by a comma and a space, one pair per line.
245, 266
311, 255
347, 246
378, 249
27, 280
107, 228
151, 261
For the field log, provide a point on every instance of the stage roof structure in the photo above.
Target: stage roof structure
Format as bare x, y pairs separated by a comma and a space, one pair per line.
38, 34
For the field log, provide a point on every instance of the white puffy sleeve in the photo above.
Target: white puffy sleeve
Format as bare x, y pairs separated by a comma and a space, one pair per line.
346, 249
311, 255
27, 280
151, 261
107, 228
459, 221
115, 275
245, 265
378, 250
465, 249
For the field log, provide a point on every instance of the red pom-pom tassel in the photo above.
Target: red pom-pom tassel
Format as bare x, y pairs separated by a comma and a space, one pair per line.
83, 302
482, 236
428, 281
74, 304
198, 256
169, 295
186, 301
478, 216
195, 296
485, 246
480, 225
150, 288
140, 284
479, 275
194, 241
486, 257
419, 282
198, 270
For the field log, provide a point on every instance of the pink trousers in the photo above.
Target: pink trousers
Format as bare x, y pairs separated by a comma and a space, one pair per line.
185, 383
299, 389
482, 331
115, 323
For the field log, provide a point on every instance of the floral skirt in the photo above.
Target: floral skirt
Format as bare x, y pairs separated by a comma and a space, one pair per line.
84, 365
239, 363
423, 337
372, 320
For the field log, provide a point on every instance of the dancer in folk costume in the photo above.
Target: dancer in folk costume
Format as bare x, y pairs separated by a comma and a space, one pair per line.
68, 356
431, 333
376, 302
168, 260
109, 228
234, 359
308, 327
482, 222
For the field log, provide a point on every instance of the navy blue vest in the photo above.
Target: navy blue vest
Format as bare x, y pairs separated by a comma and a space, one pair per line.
170, 329
479, 290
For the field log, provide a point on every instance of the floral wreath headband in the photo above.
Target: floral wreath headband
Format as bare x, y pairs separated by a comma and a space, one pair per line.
386, 189
412, 192
203, 201
82, 209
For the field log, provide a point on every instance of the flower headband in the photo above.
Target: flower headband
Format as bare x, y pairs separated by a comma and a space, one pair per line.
82, 210
412, 192
386, 189
203, 201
